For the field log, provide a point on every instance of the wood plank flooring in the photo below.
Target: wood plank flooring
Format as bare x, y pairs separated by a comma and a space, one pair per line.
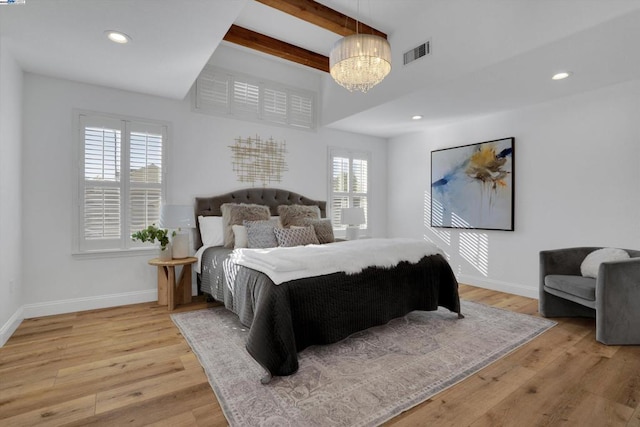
130, 366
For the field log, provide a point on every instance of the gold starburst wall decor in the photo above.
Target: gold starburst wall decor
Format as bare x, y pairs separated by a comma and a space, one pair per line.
257, 160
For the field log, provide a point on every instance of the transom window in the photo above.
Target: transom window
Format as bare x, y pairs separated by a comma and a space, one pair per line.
241, 96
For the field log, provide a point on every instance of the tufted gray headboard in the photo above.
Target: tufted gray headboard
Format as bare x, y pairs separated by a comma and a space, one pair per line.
272, 197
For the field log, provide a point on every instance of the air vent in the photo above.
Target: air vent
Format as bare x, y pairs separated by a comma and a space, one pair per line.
417, 52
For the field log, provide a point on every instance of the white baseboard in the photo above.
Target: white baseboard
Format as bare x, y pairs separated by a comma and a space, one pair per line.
104, 301
496, 285
10, 327
89, 303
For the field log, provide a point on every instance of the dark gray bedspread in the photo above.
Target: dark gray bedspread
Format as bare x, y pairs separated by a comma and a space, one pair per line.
211, 279
285, 319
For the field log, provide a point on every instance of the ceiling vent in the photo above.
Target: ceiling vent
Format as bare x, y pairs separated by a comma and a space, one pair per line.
417, 52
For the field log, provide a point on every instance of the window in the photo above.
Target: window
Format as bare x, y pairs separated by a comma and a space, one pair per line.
349, 175
241, 96
120, 180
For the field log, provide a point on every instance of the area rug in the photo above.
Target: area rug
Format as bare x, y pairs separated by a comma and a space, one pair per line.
364, 380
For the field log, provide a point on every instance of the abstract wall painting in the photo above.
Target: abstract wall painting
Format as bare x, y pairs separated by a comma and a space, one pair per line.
472, 186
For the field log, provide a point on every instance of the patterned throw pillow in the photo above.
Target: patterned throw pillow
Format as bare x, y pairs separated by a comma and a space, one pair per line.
323, 229
295, 214
260, 234
236, 213
296, 236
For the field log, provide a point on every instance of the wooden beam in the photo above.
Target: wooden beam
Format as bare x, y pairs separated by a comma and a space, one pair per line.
322, 16
271, 46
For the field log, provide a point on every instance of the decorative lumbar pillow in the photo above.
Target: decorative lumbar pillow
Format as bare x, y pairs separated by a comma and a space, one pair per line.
211, 230
323, 229
260, 233
295, 214
591, 264
296, 236
240, 239
236, 213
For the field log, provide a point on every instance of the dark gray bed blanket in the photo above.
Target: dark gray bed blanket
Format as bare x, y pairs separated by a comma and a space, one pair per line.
211, 279
291, 316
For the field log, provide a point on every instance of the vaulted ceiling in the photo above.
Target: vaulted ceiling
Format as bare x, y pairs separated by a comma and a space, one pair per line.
488, 55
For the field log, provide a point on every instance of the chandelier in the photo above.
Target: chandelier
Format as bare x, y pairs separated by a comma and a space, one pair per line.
360, 61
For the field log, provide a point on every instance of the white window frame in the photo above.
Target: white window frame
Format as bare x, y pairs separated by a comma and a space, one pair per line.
214, 93
339, 229
124, 245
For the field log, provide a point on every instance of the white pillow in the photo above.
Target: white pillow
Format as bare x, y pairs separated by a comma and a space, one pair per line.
591, 264
211, 230
240, 235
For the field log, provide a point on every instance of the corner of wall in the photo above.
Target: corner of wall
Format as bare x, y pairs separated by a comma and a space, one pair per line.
10, 326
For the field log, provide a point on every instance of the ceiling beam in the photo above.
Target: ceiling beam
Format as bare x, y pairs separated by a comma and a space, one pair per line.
322, 16
306, 10
271, 46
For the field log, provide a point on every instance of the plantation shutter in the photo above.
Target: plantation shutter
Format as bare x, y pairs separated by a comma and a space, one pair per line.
146, 167
237, 95
212, 90
301, 113
349, 174
340, 189
120, 180
359, 183
101, 176
246, 99
275, 106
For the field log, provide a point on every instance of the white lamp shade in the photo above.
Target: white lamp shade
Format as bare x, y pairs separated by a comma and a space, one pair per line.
177, 216
352, 216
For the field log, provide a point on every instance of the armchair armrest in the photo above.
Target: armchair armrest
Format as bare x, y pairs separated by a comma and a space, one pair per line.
617, 302
563, 261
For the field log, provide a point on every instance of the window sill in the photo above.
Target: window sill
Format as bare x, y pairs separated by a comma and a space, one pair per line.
115, 253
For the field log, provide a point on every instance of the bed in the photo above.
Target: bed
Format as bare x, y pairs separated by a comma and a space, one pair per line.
285, 318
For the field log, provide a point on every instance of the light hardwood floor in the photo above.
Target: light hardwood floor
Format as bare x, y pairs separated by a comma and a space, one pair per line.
130, 366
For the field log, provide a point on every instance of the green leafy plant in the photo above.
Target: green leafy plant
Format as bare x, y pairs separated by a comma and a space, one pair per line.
153, 233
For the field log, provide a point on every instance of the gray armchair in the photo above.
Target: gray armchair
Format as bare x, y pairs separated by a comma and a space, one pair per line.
613, 298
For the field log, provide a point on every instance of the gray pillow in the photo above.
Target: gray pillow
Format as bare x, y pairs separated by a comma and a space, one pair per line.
296, 236
295, 214
260, 233
236, 213
323, 229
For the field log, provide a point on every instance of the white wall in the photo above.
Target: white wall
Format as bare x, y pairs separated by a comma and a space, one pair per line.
199, 164
10, 194
577, 176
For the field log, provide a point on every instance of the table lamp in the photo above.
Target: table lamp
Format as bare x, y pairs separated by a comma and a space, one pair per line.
178, 218
352, 218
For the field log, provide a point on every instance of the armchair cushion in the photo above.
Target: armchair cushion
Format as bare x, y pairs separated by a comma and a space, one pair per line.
591, 263
583, 287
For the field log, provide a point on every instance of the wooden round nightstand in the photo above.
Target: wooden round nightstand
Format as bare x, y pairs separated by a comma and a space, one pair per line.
170, 292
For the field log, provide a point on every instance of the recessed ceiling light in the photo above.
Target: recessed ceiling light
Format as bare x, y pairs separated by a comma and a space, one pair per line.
416, 117
562, 75
117, 37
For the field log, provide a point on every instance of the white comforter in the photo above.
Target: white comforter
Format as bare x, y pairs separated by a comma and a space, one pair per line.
285, 264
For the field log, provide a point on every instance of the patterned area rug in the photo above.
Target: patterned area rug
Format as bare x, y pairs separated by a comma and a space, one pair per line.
364, 380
